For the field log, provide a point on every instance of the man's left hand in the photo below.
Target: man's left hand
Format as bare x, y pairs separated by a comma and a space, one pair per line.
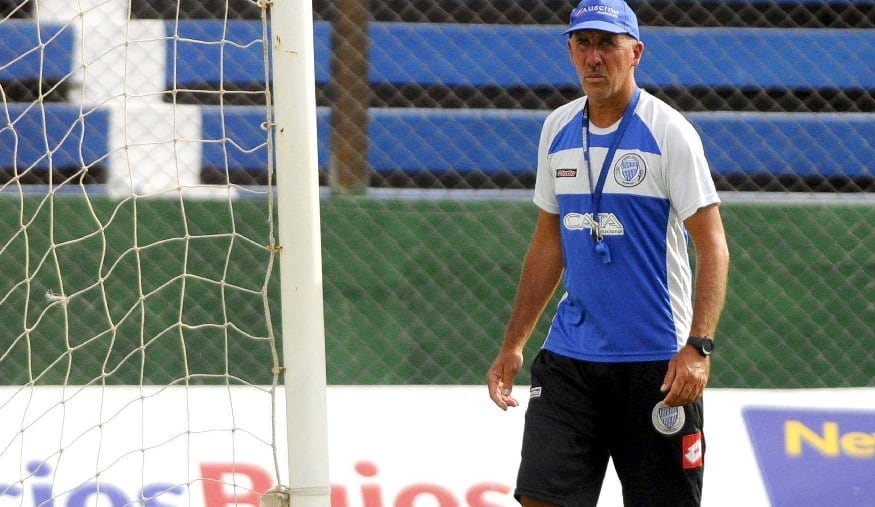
686, 377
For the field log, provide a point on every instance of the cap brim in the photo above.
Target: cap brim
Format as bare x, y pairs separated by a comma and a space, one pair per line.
595, 25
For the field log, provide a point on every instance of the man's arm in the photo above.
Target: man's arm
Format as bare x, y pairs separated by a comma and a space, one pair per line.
688, 371
541, 273
712, 269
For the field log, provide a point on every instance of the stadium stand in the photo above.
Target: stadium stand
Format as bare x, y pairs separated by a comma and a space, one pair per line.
778, 107
202, 62
510, 55
55, 139
498, 143
34, 61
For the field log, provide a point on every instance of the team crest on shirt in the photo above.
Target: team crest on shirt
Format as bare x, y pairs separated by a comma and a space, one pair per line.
630, 170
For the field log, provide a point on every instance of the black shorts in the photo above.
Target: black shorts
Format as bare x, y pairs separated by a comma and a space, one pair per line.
581, 413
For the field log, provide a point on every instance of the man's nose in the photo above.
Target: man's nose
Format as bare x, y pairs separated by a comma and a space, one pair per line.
592, 56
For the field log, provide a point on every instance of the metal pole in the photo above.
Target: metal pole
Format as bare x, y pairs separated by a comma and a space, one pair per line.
300, 257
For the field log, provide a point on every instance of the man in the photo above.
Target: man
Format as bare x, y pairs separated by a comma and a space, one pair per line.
622, 184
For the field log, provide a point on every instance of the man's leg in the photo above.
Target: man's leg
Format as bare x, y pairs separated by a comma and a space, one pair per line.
564, 457
656, 470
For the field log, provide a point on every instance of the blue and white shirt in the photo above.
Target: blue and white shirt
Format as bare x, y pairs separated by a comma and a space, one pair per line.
638, 307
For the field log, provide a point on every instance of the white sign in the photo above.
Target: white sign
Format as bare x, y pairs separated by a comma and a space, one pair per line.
404, 446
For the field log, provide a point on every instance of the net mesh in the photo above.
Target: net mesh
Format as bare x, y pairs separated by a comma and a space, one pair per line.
138, 361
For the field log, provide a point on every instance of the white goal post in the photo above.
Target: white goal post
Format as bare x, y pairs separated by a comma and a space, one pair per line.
140, 293
301, 256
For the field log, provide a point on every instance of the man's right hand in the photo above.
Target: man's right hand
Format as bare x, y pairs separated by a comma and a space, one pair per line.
500, 378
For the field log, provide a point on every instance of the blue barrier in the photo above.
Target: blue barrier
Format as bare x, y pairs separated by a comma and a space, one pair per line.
535, 55
30, 51
493, 141
769, 58
521, 55
466, 140
468, 55
801, 144
215, 51
234, 138
66, 139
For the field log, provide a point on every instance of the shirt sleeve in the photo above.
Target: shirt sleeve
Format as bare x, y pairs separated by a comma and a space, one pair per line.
688, 176
545, 181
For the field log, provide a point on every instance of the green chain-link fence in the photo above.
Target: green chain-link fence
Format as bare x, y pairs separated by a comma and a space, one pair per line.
418, 284
415, 293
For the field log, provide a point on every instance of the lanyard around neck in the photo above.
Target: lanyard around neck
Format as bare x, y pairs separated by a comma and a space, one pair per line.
615, 143
601, 247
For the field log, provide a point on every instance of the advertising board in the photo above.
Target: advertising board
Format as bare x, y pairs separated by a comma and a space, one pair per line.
401, 446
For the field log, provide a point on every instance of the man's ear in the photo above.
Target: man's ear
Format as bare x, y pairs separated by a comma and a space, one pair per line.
639, 52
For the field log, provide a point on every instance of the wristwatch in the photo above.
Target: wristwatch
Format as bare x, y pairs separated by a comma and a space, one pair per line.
703, 344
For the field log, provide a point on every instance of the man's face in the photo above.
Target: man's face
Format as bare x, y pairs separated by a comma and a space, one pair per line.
604, 61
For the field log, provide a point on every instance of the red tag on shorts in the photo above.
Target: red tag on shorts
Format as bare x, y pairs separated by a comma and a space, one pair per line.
692, 451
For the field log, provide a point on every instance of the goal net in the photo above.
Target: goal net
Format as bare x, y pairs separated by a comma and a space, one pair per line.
139, 288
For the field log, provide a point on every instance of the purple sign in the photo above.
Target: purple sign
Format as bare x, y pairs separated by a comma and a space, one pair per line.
814, 457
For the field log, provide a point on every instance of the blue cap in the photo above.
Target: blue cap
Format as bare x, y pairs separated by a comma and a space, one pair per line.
614, 16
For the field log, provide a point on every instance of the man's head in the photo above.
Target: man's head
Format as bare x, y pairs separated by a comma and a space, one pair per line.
613, 16
605, 48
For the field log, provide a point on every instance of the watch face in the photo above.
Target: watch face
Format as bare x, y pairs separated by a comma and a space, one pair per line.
705, 345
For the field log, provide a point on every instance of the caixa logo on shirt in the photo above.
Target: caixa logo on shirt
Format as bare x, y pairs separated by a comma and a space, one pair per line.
609, 225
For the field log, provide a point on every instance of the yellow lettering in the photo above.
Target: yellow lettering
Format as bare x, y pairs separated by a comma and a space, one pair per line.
796, 433
858, 445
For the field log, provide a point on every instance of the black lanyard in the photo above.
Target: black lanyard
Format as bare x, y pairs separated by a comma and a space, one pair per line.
597, 236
